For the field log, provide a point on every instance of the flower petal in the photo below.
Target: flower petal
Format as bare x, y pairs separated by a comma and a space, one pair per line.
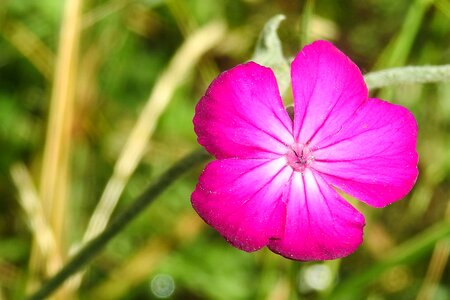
373, 157
320, 225
328, 87
242, 115
241, 199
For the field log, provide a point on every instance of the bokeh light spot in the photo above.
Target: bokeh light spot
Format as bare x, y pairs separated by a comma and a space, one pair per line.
162, 286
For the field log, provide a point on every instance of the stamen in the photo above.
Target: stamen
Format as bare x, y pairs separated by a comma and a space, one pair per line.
299, 157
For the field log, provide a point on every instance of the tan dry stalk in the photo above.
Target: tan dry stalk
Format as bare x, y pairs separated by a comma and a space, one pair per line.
29, 45
32, 206
187, 25
178, 69
54, 183
436, 267
281, 290
102, 11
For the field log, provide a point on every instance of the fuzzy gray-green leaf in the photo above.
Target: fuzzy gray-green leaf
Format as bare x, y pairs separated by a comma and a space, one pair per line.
269, 52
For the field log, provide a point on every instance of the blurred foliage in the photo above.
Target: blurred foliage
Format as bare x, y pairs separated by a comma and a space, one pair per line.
125, 45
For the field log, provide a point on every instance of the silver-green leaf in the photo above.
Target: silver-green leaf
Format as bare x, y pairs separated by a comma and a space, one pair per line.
269, 52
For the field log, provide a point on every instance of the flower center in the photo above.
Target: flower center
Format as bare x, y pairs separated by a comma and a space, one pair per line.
299, 157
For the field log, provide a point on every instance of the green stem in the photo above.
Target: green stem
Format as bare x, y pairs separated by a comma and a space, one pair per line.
91, 249
407, 75
307, 15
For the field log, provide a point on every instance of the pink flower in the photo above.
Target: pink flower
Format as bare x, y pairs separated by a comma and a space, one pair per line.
272, 181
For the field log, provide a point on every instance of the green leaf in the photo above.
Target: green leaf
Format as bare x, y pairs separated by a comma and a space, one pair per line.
269, 52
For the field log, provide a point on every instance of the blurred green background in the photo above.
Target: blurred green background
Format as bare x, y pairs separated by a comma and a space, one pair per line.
124, 54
